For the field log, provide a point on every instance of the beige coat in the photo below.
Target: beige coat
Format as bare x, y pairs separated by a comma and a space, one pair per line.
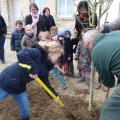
28, 42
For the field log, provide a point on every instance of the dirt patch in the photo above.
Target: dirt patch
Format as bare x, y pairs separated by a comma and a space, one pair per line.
40, 102
74, 99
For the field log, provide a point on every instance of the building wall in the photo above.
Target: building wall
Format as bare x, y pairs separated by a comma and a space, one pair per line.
12, 10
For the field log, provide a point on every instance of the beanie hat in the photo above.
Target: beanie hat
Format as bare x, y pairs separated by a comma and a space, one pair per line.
106, 28
66, 30
61, 33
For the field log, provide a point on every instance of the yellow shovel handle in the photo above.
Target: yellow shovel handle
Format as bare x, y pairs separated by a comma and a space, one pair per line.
43, 85
49, 92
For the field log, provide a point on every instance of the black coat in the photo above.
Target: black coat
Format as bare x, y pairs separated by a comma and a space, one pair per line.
40, 23
49, 22
3, 27
68, 49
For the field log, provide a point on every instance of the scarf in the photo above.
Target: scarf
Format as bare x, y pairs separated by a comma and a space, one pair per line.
35, 19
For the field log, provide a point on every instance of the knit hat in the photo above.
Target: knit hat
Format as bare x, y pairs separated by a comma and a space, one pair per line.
61, 33
66, 30
106, 28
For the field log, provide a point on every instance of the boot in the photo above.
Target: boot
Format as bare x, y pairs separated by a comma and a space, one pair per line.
25, 118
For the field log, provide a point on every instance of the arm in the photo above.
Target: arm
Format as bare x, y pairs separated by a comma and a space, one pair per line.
57, 66
43, 23
4, 25
53, 22
28, 20
78, 50
12, 42
26, 56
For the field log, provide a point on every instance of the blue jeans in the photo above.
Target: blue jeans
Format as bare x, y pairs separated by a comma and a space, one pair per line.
2, 42
21, 100
58, 76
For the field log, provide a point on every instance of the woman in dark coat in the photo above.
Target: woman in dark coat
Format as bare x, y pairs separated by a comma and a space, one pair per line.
49, 20
35, 19
82, 18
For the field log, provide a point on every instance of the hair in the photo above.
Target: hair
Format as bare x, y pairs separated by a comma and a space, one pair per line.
90, 36
44, 10
54, 28
115, 25
19, 22
82, 4
34, 5
52, 47
44, 36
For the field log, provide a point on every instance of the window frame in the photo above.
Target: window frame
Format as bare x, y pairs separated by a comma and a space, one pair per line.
65, 16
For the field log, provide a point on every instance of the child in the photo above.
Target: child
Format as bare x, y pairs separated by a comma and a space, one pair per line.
16, 36
84, 62
54, 32
59, 74
29, 39
67, 58
14, 78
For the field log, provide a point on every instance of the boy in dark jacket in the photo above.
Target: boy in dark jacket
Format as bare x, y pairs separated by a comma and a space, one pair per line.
14, 78
67, 44
3, 32
17, 36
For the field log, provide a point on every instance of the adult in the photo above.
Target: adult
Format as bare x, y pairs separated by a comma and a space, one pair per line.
82, 18
35, 19
3, 32
105, 56
49, 20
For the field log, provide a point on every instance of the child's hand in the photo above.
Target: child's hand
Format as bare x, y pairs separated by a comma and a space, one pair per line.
33, 76
55, 102
63, 72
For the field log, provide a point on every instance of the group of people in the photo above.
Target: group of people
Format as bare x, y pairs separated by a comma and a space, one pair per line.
47, 50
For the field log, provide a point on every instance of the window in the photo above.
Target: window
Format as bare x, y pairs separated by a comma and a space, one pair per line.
41, 5
65, 8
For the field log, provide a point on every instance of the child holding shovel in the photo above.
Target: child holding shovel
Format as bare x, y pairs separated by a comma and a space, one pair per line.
14, 78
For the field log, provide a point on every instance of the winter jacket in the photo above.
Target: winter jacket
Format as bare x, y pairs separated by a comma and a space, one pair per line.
16, 38
49, 22
3, 27
40, 23
106, 57
28, 41
14, 78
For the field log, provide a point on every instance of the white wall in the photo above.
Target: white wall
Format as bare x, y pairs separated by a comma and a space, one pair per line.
20, 6
112, 12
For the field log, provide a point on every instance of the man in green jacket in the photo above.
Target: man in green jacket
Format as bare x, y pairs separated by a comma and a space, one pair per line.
105, 55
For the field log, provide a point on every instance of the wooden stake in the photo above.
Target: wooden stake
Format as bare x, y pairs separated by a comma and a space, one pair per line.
92, 78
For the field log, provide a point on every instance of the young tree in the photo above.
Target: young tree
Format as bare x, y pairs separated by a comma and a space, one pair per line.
97, 6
